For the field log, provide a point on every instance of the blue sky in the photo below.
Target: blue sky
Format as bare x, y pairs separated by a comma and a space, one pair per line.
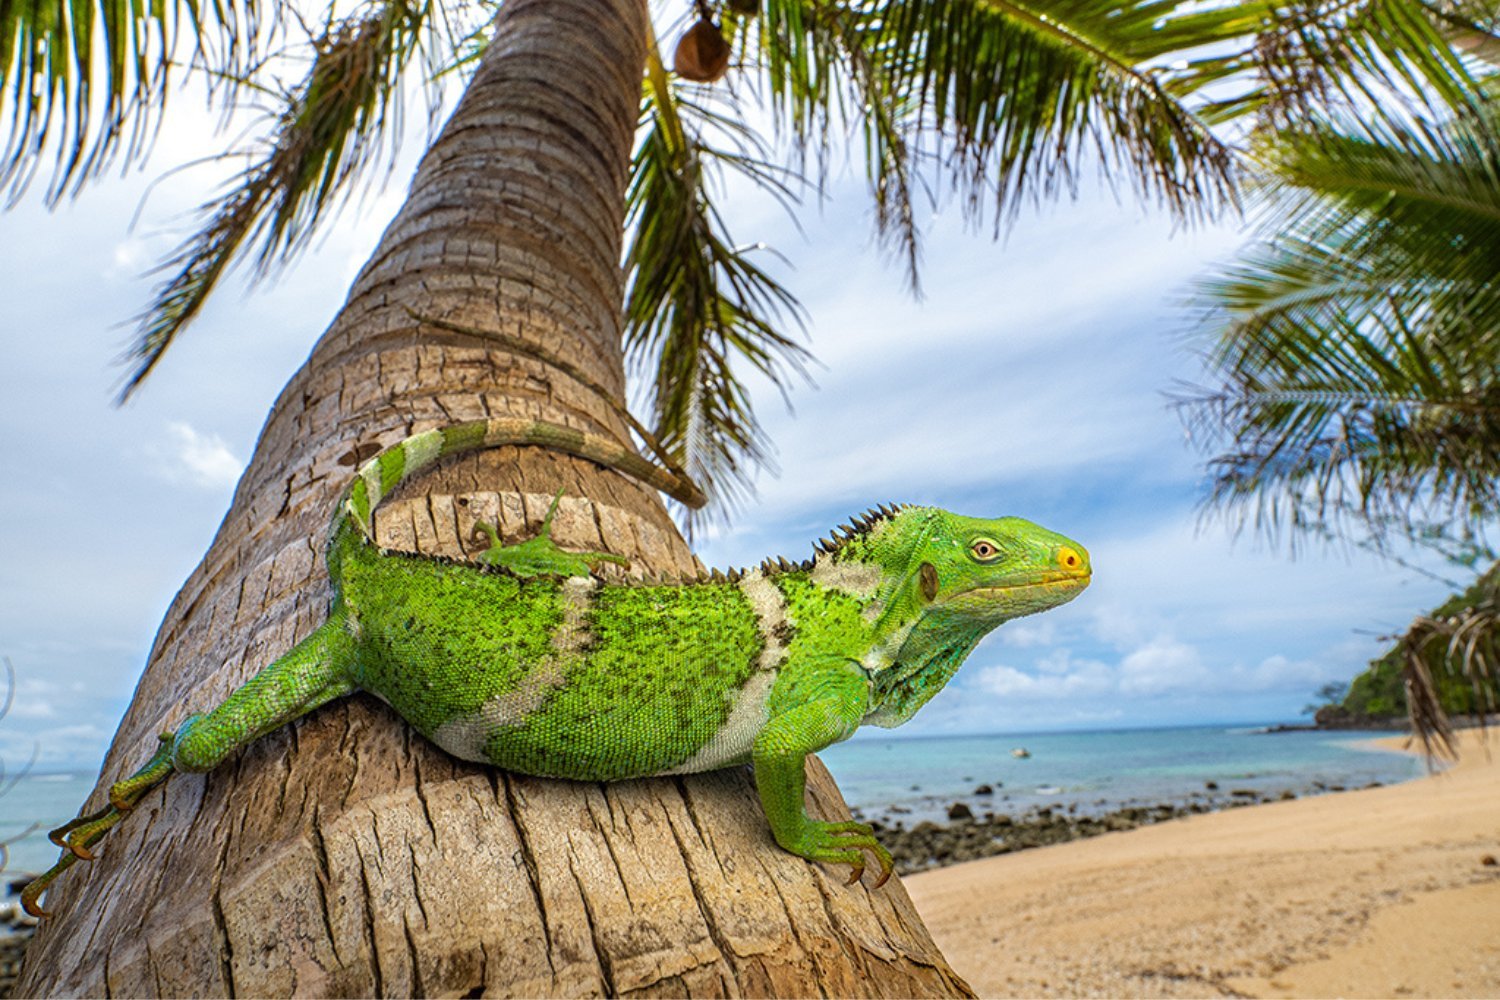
1029, 380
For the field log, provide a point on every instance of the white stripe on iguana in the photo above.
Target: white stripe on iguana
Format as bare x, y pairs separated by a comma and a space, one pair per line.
422, 450
572, 634
467, 735
736, 737
857, 579
769, 605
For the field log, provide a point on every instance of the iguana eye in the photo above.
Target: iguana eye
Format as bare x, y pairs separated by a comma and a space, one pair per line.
984, 550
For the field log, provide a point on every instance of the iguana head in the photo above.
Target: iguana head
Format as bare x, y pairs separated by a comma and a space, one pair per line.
987, 571
946, 581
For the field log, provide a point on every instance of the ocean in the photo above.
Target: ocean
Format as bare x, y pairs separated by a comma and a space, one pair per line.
1090, 773
919, 778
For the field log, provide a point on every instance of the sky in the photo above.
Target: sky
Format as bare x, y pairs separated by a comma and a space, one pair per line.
1030, 379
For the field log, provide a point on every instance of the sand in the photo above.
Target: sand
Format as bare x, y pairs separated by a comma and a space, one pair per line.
1377, 893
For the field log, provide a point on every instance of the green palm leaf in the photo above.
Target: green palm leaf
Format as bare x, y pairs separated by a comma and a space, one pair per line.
1360, 358
697, 305
86, 79
346, 112
1011, 99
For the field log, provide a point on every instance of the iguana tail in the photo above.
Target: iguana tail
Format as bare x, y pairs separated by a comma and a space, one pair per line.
381, 474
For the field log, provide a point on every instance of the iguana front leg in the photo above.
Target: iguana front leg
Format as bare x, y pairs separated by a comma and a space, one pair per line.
813, 713
540, 555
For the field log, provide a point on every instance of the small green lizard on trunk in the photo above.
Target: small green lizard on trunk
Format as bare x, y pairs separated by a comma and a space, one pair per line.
527, 661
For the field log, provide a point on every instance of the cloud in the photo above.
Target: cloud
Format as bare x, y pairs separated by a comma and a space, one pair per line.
1029, 633
1162, 664
201, 459
1059, 678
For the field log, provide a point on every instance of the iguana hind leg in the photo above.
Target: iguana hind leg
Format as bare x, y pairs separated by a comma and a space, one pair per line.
310, 674
540, 555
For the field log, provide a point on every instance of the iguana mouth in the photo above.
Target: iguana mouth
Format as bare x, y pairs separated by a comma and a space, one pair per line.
1044, 581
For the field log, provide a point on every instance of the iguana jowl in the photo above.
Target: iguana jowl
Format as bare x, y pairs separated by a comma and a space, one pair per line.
529, 662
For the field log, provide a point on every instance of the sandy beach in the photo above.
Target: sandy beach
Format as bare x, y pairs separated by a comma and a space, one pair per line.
1386, 892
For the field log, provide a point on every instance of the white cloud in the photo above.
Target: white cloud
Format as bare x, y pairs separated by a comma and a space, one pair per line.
201, 459
1162, 664
1060, 678
31, 707
1031, 632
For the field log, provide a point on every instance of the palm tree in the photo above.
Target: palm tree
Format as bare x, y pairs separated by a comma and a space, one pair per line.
1360, 355
340, 856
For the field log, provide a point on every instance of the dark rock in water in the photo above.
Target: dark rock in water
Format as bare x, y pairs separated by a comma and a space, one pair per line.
916, 788
1335, 788
898, 809
1245, 793
15, 882
984, 790
1212, 786
12, 950
960, 811
1375, 784
1288, 794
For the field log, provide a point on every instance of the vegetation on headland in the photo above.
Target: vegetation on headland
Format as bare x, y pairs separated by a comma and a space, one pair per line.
1380, 694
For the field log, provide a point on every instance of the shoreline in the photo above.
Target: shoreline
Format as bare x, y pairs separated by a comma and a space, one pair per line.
968, 835
984, 823
1378, 892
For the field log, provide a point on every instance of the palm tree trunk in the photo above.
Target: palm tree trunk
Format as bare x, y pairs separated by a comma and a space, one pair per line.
345, 856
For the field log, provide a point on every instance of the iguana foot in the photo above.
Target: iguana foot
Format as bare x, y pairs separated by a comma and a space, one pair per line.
540, 555
78, 835
843, 844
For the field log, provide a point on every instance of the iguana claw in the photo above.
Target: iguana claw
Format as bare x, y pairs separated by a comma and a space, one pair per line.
845, 844
77, 835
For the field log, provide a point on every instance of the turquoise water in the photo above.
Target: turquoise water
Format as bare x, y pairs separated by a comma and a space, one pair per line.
1096, 771
39, 802
1092, 771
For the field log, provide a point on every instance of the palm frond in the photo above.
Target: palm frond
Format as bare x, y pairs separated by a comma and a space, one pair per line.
697, 306
1463, 646
1010, 97
1014, 94
824, 79
345, 113
1360, 351
1313, 55
86, 79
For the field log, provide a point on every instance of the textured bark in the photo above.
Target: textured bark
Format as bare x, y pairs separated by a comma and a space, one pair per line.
344, 855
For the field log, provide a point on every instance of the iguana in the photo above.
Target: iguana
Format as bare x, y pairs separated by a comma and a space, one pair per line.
529, 661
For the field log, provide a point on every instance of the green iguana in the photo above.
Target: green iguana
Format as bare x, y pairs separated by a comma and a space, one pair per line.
527, 661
